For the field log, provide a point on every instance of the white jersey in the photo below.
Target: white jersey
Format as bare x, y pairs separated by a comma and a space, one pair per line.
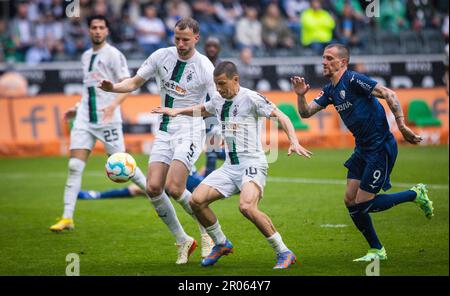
182, 83
241, 124
106, 63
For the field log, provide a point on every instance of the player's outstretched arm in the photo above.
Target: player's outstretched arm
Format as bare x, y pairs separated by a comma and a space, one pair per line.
196, 111
108, 111
394, 104
288, 128
125, 86
301, 88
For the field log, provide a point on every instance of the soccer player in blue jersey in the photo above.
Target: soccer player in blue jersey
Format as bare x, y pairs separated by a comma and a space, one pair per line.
354, 96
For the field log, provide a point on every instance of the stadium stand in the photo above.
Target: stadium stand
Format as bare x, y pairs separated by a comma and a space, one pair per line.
407, 58
38, 31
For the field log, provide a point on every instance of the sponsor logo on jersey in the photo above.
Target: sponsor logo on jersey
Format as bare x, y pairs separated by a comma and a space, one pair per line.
343, 106
173, 87
230, 126
363, 85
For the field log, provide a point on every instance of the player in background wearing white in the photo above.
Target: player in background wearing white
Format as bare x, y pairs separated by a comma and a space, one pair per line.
95, 118
245, 168
185, 78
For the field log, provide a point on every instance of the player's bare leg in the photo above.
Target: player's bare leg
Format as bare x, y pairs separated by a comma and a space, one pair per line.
77, 162
248, 205
350, 192
156, 178
176, 179
176, 188
201, 198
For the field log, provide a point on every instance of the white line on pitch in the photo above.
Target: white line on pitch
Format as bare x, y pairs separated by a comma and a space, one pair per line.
6, 176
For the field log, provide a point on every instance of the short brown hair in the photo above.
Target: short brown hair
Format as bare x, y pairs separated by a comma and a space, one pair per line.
343, 51
227, 67
188, 22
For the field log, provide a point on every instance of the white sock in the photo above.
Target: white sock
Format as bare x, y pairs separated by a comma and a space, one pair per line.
184, 202
166, 212
276, 242
73, 186
215, 232
139, 179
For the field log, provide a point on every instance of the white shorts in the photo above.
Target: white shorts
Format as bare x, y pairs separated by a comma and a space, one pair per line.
229, 179
110, 135
184, 146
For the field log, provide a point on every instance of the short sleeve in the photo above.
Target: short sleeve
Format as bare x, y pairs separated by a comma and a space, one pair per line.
211, 105
120, 66
362, 84
149, 67
264, 107
209, 79
322, 98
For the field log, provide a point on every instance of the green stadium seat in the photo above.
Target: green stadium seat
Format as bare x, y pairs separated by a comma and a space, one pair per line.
419, 113
291, 112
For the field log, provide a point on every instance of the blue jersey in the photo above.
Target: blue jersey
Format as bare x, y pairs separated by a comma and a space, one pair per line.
360, 111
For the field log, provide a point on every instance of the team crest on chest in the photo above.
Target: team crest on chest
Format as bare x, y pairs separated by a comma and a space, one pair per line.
342, 94
189, 76
235, 110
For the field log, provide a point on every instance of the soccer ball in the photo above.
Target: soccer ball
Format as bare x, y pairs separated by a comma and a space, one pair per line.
120, 167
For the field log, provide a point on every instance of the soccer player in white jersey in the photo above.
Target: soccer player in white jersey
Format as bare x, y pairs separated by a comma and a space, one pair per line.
95, 118
245, 169
185, 78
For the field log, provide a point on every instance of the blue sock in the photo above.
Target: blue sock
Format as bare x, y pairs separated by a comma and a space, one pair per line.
382, 202
221, 155
193, 181
361, 219
211, 159
122, 192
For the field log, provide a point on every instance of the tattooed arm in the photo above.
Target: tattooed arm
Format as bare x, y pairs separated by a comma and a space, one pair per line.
301, 88
394, 104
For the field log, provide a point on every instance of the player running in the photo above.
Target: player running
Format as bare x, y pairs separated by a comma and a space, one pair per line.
354, 97
245, 168
185, 78
95, 120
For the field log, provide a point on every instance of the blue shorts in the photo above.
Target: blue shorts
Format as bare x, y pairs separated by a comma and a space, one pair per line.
373, 168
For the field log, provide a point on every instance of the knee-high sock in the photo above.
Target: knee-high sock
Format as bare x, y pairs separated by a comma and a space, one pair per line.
73, 186
211, 159
361, 218
382, 202
139, 179
184, 202
167, 213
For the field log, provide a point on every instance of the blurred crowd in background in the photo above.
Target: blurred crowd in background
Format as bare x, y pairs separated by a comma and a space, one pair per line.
36, 31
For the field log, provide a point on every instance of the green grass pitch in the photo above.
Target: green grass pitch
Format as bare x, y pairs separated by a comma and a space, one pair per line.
125, 237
